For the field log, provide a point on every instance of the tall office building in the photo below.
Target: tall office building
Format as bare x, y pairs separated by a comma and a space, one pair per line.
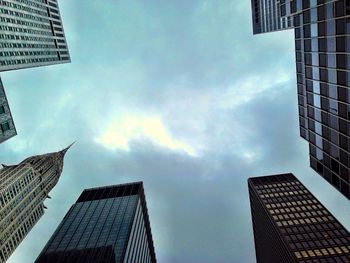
23, 189
322, 53
105, 225
266, 17
7, 126
31, 34
291, 225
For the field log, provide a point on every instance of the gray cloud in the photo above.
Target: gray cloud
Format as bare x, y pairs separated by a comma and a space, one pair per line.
190, 65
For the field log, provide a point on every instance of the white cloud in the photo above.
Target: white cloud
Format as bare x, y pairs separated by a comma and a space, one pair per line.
120, 132
248, 88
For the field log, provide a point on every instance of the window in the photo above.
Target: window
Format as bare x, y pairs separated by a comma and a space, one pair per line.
332, 76
314, 31
342, 94
330, 27
313, 13
316, 87
5, 126
331, 60
2, 109
329, 10
331, 44
339, 26
317, 100
315, 59
321, 29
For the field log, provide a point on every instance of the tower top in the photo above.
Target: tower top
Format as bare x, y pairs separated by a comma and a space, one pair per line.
67, 148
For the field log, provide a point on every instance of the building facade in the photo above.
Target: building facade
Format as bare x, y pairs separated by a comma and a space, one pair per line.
31, 34
322, 56
7, 126
266, 17
23, 189
291, 225
105, 225
322, 51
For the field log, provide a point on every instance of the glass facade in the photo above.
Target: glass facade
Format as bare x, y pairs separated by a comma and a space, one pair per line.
7, 127
23, 189
322, 56
31, 34
266, 16
107, 224
322, 51
291, 225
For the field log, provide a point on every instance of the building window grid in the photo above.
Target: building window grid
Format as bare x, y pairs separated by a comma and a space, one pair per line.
25, 18
333, 31
303, 240
122, 206
32, 203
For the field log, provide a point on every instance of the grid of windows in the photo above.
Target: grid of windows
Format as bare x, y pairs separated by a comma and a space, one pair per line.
308, 231
322, 57
111, 222
7, 128
31, 34
322, 46
266, 17
23, 189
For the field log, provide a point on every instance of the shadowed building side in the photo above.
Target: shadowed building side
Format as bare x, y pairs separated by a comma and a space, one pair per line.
103, 254
291, 225
113, 217
322, 53
7, 126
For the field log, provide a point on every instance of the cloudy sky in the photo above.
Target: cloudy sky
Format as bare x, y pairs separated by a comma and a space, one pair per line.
178, 94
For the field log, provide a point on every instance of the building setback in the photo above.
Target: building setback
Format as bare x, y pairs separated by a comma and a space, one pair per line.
23, 189
31, 34
266, 17
291, 225
7, 126
322, 50
106, 225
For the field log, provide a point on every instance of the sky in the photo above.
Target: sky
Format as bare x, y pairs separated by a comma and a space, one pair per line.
178, 94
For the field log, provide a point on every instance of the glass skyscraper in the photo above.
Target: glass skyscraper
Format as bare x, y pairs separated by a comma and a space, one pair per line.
7, 126
106, 225
23, 190
31, 34
322, 49
266, 16
291, 225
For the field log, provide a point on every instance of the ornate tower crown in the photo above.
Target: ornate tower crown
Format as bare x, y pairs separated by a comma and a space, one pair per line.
23, 190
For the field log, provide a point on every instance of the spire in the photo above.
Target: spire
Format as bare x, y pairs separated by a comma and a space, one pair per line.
67, 148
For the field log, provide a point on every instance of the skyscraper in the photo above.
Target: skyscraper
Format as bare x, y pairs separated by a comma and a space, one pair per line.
23, 189
322, 52
31, 34
7, 127
106, 225
266, 17
291, 225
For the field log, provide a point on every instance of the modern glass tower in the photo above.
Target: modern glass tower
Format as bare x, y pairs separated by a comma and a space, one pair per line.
7, 126
266, 16
322, 52
31, 34
23, 190
106, 225
291, 225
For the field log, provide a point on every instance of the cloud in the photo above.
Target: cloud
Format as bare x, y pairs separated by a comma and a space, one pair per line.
191, 106
251, 86
122, 131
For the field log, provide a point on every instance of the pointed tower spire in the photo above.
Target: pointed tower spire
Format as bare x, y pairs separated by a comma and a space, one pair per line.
67, 148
